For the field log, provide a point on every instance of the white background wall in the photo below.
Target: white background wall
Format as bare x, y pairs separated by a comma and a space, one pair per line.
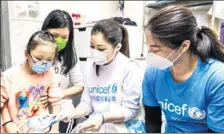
95, 10
21, 30
134, 11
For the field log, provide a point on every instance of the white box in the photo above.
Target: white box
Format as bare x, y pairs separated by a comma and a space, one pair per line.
82, 36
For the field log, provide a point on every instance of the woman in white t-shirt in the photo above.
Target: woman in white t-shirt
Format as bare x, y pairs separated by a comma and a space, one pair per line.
110, 68
60, 25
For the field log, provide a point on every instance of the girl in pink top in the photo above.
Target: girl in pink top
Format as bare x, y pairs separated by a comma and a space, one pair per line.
22, 86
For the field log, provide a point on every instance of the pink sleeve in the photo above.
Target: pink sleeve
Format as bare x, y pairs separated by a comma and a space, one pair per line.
5, 87
55, 93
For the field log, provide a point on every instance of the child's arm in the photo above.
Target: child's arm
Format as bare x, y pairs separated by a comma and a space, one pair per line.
7, 122
55, 110
10, 126
5, 86
56, 107
54, 97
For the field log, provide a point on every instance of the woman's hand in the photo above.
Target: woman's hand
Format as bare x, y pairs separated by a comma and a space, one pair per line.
44, 99
93, 123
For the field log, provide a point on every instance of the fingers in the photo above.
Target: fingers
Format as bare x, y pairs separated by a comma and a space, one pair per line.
62, 117
77, 129
92, 129
86, 126
59, 117
44, 100
45, 105
44, 94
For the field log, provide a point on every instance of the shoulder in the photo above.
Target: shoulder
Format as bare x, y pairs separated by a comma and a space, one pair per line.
128, 65
216, 65
215, 70
215, 77
11, 71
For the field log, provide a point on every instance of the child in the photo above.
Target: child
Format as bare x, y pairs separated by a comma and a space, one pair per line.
22, 86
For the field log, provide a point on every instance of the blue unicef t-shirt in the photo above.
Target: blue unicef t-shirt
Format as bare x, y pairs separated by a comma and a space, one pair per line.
190, 106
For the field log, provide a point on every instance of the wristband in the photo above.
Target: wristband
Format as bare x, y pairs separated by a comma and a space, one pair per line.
6, 123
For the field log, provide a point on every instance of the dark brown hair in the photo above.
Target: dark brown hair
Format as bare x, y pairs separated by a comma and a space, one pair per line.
174, 24
40, 37
114, 34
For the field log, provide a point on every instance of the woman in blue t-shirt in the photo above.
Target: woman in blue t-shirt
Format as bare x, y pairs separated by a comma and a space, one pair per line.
185, 76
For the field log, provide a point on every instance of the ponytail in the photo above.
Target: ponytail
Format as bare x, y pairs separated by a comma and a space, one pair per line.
125, 42
114, 34
208, 45
174, 24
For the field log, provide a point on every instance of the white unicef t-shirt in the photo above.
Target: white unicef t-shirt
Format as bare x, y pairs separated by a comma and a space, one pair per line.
100, 92
73, 78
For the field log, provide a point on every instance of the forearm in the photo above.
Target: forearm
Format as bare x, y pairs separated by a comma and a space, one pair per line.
6, 118
55, 110
72, 91
153, 119
211, 131
5, 114
81, 111
110, 117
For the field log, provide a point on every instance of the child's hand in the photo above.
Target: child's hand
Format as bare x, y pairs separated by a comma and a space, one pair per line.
12, 128
44, 99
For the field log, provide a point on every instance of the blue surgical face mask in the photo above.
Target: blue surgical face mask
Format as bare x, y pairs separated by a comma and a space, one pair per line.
40, 68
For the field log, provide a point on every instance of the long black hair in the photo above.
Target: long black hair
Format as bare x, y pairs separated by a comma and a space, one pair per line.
60, 19
113, 33
174, 24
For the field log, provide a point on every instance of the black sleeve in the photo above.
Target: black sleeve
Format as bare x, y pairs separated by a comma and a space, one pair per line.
211, 131
153, 119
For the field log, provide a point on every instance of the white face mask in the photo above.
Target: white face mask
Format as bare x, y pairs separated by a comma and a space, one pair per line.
160, 62
100, 58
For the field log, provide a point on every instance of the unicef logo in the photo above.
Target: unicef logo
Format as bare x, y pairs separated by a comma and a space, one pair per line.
114, 88
196, 113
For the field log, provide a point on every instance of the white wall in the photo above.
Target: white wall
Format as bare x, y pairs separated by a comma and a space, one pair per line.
21, 29
134, 11
200, 13
95, 10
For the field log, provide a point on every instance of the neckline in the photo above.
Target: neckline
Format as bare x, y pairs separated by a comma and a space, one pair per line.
188, 81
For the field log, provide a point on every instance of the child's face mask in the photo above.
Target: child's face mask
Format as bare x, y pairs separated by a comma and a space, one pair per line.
40, 66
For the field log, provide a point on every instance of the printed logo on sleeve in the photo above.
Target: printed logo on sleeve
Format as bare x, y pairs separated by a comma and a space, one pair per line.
184, 110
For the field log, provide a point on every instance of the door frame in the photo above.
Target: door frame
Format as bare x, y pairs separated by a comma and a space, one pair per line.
5, 37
